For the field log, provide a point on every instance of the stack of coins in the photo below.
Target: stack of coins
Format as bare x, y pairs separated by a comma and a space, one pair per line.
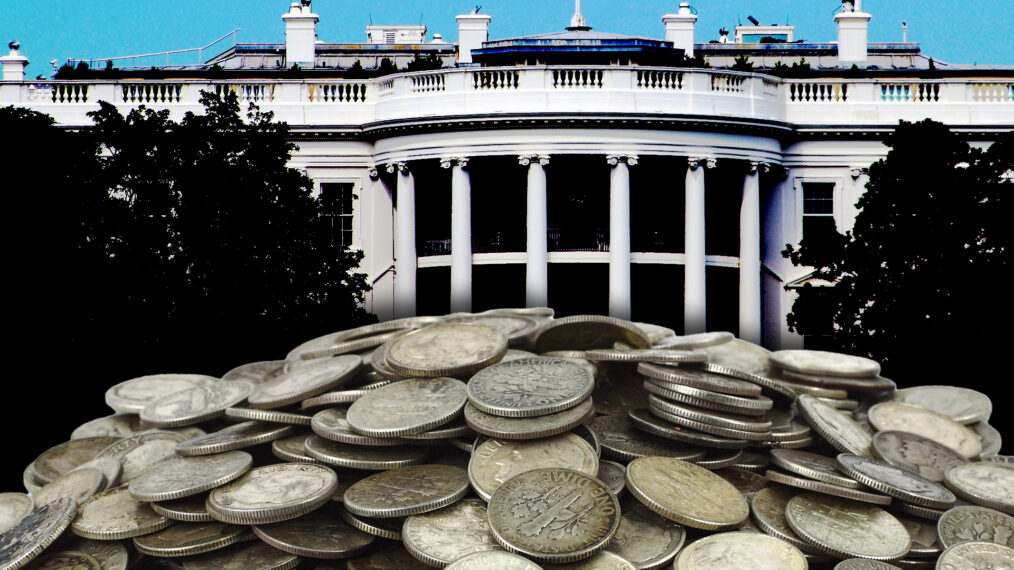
510, 439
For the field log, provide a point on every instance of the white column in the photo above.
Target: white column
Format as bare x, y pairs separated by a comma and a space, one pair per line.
405, 260
694, 301
537, 266
377, 213
619, 235
749, 256
461, 234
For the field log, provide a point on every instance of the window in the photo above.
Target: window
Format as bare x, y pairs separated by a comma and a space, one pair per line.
818, 213
337, 201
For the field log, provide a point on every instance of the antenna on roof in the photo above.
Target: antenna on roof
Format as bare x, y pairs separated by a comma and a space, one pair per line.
476, 9
371, 19
753, 20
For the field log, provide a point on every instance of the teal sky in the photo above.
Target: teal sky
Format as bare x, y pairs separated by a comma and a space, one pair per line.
969, 31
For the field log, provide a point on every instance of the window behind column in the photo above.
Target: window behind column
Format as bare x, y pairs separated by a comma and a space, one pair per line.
818, 213
336, 197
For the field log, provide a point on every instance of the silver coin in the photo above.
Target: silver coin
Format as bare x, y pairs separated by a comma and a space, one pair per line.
646, 421
194, 405
767, 508
746, 405
254, 555
529, 428
187, 509
812, 465
863, 564
847, 529
255, 372
406, 491
645, 355
622, 441
519, 330
114, 515
529, 387
111, 555
826, 488
408, 407
495, 461
79, 485
333, 424
916, 453
645, 538
188, 539
740, 550
746, 482
986, 484
440, 537
898, 416
273, 493
962, 405
699, 378
184, 476
602, 560
318, 535
306, 382
841, 431
825, 363
116, 425
66, 457
895, 481
699, 340
392, 556
583, 332
553, 515
237, 436
292, 448
274, 416
990, 439
35, 532
613, 475
13, 508
131, 396
364, 457
715, 418
975, 524
66, 560
686, 493
453, 349
925, 542
493, 559
976, 556
140, 452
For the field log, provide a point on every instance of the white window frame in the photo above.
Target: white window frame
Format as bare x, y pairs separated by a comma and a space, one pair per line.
357, 188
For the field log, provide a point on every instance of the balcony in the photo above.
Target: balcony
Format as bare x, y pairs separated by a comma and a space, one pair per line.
542, 90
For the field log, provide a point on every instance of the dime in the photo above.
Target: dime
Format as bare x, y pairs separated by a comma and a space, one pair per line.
13, 508
838, 429
617, 389
184, 476
133, 395
646, 421
752, 461
529, 387
268, 416
863, 564
660, 408
363, 457
812, 465
492, 559
194, 405
517, 329
602, 560
111, 555
827, 488
962, 405
273, 493
613, 475
740, 550
872, 384
114, 514
584, 332
699, 340
685, 493
750, 406
332, 424
899, 416
116, 425
237, 436
976, 556
989, 438
824, 363
495, 461
747, 483
255, 372
254, 555
292, 448
110, 467
79, 485
389, 556
622, 441
453, 349
896, 481
439, 537
847, 529
925, 543
756, 424
187, 539
529, 428
384, 528
916, 453
767, 509
67, 456
699, 378
316, 535
408, 407
645, 355
973, 523
644, 538
188, 509
35, 532
140, 452
553, 515
986, 484
406, 491
66, 560
306, 382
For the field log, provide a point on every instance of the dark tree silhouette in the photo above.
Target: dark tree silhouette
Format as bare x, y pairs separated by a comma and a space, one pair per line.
921, 284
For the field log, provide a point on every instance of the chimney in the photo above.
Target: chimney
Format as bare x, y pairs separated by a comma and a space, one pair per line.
473, 30
853, 34
300, 34
14, 64
679, 29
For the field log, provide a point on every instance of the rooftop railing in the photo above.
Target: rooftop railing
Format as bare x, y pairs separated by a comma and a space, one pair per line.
533, 90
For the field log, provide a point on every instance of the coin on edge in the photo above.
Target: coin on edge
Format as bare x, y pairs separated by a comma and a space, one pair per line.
273, 493
406, 491
185, 476
187, 539
407, 407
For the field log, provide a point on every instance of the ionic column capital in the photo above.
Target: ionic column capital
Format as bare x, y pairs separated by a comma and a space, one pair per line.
527, 159
452, 161
615, 159
695, 162
858, 171
373, 172
401, 167
757, 166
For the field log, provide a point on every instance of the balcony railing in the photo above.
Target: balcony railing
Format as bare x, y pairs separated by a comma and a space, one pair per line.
533, 90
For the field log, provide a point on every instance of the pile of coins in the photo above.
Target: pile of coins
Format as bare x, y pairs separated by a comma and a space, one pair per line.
512, 440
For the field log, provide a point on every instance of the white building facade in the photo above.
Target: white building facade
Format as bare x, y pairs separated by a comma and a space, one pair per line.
619, 185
